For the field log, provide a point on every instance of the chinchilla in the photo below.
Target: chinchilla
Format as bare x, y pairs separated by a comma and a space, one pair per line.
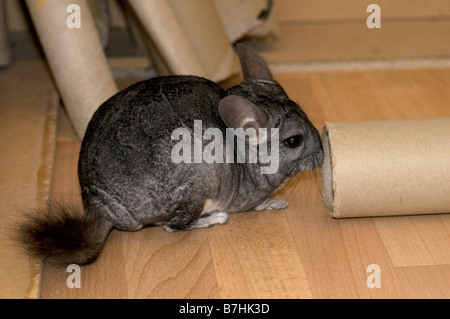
129, 178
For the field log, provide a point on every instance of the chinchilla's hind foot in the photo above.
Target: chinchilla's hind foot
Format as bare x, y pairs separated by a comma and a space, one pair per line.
272, 204
203, 222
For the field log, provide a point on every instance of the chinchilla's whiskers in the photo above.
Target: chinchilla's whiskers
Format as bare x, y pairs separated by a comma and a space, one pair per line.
262, 200
290, 181
315, 171
317, 179
301, 170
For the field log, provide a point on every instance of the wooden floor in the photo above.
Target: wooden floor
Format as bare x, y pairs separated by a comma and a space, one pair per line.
297, 253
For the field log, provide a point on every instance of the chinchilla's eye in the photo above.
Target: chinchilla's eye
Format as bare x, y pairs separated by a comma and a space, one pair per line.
293, 141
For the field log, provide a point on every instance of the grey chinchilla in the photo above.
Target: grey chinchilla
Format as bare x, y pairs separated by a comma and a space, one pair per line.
128, 176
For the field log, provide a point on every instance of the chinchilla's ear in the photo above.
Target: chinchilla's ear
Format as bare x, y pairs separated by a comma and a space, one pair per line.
238, 112
253, 66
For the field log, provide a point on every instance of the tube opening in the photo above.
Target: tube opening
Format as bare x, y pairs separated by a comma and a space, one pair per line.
326, 170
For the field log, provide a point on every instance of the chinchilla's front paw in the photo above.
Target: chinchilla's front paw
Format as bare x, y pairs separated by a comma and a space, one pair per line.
272, 204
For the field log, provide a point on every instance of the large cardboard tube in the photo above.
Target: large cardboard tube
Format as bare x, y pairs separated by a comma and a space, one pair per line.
384, 168
164, 28
188, 36
75, 56
204, 29
4, 42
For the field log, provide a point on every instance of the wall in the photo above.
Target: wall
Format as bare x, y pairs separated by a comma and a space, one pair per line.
325, 30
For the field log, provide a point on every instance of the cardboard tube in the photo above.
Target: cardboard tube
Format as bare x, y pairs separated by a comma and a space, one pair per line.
162, 25
75, 56
242, 16
192, 40
385, 168
4, 42
100, 13
204, 29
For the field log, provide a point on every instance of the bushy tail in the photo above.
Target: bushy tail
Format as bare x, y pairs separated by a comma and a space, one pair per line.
62, 235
